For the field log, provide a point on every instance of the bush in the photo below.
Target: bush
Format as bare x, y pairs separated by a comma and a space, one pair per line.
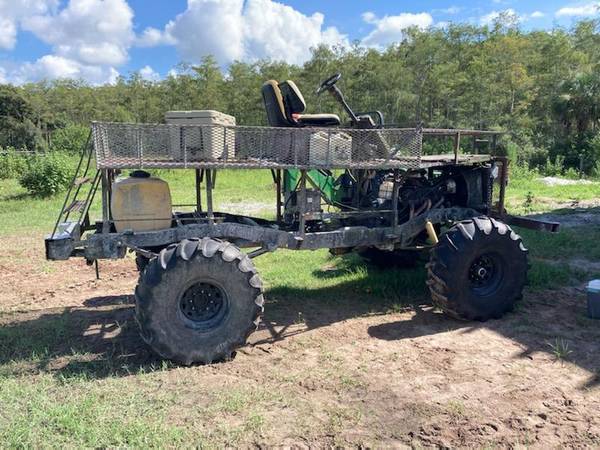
70, 139
552, 169
571, 174
595, 172
47, 175
522, 171
12, 163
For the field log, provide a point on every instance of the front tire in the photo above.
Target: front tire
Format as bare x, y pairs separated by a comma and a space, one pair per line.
478, 270
198, 301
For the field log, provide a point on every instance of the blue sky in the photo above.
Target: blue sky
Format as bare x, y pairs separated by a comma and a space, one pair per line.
99, 39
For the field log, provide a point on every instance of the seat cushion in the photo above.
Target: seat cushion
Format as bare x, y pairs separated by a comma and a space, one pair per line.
321, 120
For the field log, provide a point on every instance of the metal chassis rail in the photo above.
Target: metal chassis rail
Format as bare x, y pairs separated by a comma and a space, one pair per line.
115, 245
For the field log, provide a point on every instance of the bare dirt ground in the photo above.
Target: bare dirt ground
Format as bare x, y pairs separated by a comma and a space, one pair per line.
347, 373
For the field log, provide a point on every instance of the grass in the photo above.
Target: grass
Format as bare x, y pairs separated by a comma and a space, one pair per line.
236, 190
101, 400
527, 194
560, 349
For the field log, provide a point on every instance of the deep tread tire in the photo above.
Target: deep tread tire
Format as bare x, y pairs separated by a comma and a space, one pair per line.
166, 278
390, 259
451, 262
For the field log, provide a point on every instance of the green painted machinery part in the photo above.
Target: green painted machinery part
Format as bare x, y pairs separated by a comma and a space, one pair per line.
326, 183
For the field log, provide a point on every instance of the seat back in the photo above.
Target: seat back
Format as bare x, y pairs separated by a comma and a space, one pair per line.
282, 101
273, 99
292, 98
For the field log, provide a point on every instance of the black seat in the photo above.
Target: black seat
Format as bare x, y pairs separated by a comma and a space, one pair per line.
285, 104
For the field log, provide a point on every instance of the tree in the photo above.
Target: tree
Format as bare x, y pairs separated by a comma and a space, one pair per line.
17, 128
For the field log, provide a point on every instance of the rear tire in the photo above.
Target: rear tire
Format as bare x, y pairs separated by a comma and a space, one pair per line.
198, 301
478, 270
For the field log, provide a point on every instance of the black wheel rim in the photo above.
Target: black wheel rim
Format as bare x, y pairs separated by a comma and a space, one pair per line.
203, 305
486, 273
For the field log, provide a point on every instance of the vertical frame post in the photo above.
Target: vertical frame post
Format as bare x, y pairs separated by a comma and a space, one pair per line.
105, 201
278, 194
456, 146
209, 198
301, 201
395, 195
503, 181
198, 191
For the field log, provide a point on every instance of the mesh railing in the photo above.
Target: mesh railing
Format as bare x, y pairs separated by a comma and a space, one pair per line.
130, 146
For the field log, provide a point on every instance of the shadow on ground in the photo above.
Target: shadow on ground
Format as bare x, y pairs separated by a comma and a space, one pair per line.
101, 338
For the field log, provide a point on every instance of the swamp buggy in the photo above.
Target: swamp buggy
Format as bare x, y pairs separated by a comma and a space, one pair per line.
366, 187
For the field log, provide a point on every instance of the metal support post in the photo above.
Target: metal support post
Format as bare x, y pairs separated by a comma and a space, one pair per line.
209, 199
301, 201
198, 191
105, 202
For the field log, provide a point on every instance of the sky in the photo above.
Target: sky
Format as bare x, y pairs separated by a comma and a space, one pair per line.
98, 40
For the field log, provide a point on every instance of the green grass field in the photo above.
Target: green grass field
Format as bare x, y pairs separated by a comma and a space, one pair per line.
253, 191
111, 402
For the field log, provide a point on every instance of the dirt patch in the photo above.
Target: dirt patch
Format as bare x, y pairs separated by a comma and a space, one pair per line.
345, 374
556, 181
246, 207
573, 214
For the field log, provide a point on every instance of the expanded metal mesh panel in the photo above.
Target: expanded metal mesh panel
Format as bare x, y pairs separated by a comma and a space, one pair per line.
132, 146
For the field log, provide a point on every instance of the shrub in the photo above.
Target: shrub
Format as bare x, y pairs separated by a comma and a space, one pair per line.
596, 170
523, 172
555, 168
571, 174
70, 139
47, 175
12, 163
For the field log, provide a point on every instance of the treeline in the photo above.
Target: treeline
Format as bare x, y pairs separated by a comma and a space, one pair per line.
541, 86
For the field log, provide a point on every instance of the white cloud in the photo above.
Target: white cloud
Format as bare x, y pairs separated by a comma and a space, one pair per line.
490, 18
274, 30
8, 33
93, 32
390, 29
237, 30
151, 37
537, 15
88, 38
55, 67
12, 12
589, 9
149, 74
209, 27
450, 10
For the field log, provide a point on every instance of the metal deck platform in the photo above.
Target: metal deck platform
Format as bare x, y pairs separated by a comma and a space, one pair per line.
157, 146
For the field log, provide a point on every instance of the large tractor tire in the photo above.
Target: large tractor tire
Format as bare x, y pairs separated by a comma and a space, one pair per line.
198, 301
478, 270
384, 259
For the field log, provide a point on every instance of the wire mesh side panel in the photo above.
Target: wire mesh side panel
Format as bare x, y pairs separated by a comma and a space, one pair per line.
214, 146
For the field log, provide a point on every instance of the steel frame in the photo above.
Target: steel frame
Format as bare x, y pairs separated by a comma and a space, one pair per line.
268, 236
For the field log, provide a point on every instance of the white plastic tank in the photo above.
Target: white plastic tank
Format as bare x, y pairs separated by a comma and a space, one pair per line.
141, 202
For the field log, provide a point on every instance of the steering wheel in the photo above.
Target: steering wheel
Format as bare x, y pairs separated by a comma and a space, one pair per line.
329, 82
